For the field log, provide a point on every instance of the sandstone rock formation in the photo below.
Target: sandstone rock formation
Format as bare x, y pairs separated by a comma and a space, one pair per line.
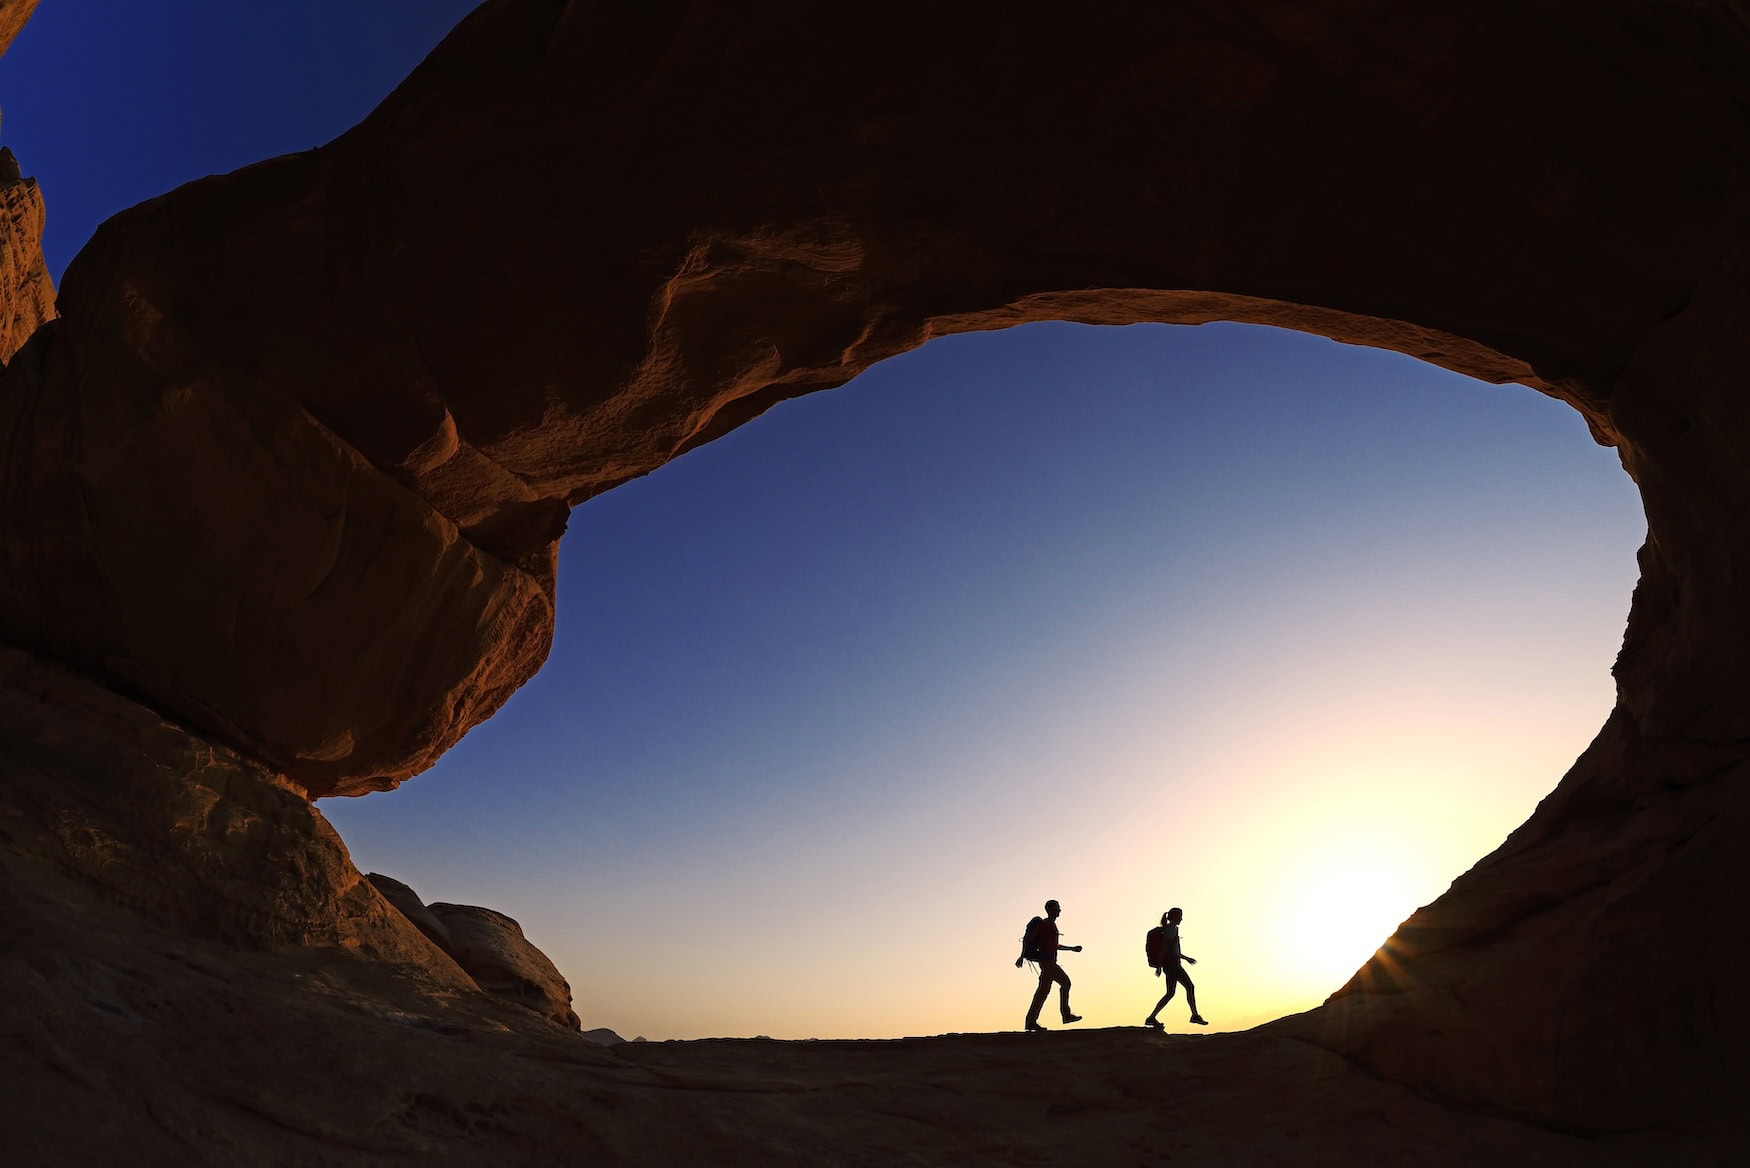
195, 974
181, 831
291, 467
407, 902
27, 294
491, 949
13, 16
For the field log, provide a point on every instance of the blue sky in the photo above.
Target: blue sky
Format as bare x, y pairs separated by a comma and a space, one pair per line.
1283, 631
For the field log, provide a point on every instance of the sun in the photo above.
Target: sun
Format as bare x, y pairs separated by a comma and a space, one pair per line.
1344, 903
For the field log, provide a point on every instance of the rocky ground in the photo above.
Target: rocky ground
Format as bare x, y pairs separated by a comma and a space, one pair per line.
123, 1042
192, 972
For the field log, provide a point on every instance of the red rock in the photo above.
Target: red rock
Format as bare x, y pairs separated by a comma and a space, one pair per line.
13, 15
182, 831
27, 294
492, 949
408, 904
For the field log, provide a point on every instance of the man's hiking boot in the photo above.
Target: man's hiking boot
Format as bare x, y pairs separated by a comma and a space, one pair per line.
1068, 1018
1035, 1026
1198, 1020
1153, 1024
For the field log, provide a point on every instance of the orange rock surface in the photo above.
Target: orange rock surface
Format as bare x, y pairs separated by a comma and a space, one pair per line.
13, 16
27, 294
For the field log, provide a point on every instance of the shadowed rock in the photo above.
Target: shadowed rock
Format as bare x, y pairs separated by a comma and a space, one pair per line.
492, 949
195, 974
605, 1036
180, 830
407, 902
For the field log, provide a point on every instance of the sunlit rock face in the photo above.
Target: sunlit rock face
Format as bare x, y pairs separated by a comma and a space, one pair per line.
292, 465
27, 294
13, 16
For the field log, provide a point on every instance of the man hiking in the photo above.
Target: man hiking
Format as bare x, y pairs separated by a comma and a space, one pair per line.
1040, 944
1164, 955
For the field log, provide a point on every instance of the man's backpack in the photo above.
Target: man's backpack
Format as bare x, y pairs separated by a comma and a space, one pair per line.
1030, 950
1156, 947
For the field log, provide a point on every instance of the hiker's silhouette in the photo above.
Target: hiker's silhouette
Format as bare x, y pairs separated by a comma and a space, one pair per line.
1040, 943
1165, 956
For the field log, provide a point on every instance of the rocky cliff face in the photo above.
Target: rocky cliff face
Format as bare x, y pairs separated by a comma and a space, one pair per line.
27, 295
292, 465
13, 16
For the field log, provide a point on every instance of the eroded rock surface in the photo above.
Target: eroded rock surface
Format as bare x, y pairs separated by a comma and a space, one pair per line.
209, 546
492, 949
13, 16
408, 904
195, 974
180, 830
27, 294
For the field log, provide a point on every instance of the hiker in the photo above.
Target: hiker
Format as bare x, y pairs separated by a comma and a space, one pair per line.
1164, 955
1039, 943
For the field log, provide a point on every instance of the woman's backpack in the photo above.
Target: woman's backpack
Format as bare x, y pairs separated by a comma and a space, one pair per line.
1156, 947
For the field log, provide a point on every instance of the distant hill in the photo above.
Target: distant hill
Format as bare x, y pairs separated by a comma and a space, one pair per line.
603, 1035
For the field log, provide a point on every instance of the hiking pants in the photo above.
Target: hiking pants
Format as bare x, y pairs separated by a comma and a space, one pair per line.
1049, 971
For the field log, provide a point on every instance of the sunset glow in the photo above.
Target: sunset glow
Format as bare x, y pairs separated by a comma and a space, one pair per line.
1168, 649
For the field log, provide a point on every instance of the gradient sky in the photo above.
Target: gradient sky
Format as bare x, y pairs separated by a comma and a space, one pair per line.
1285, 632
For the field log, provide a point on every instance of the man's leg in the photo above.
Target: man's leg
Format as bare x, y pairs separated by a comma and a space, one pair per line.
1063, 995
1045, 971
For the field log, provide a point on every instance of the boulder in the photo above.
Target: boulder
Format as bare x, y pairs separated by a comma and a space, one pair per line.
407, 902
492, 949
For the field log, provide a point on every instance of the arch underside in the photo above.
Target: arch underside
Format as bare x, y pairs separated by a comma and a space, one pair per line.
293, 464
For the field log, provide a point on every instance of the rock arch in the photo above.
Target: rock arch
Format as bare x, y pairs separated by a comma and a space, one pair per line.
293, 464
